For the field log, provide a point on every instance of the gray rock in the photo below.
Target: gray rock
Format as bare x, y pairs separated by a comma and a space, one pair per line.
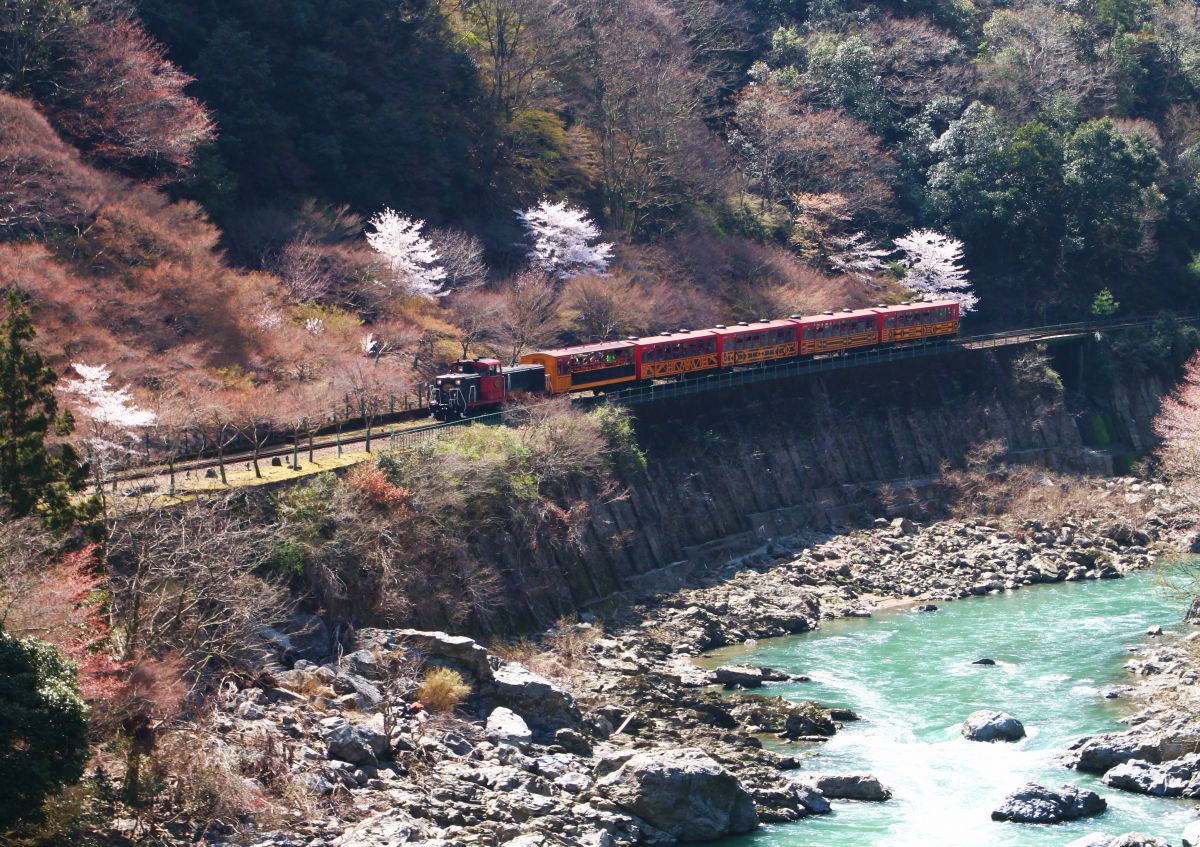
852, 786
365, 693
742, 676
534, 696
462, 651
356, 744
813, 801
1191, 835
1137, 839
574, 782
504, 726
1176, 778
682, 791
389, 829
573, 742
989, 725
363, 663
1033, 803
1099, 754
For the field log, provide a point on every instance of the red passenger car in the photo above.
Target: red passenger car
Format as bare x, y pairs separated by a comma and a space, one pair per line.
677, 353
757, 342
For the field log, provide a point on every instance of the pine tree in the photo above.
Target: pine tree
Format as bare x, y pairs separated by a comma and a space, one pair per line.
33, 478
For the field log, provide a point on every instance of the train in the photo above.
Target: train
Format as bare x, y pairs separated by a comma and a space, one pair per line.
478, 386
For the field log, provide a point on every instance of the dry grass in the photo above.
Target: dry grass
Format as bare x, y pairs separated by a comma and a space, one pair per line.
443, 690
563, 656
1021, 493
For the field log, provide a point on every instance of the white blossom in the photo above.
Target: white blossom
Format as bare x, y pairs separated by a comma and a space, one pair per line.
560, 236
411, 257
103, 404
314, 326
268, 319
932, 259
856, 256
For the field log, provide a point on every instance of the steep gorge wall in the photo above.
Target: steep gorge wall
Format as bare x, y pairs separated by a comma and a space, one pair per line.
726, 473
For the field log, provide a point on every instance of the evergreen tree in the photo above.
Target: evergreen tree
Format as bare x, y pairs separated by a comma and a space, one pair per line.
43, 728
34, 478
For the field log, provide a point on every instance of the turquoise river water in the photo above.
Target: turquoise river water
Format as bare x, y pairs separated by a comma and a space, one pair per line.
910, 676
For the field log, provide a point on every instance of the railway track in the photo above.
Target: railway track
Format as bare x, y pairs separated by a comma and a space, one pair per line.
409, 430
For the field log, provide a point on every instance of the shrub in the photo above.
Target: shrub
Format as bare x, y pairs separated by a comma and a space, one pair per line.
373, 487
616, 428
443, 690
43, 727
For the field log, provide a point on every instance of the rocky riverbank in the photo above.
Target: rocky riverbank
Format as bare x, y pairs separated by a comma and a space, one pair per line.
609, 732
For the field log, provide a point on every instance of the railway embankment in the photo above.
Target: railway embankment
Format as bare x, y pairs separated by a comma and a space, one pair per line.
732, 473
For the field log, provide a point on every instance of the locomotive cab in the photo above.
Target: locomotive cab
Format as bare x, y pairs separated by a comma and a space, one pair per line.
476, 386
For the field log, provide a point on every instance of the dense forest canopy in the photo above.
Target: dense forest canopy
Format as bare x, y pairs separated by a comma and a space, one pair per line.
202, 178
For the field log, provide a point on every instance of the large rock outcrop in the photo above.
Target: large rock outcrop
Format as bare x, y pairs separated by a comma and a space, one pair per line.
682, 791
1033, 803
847, 786
1177, 778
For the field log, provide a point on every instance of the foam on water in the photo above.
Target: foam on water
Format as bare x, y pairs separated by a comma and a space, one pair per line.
912, 679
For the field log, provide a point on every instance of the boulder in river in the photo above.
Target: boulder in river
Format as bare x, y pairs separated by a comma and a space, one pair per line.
1033, 803
990, 725
682, 791
847, 786
984, 661
1177, 778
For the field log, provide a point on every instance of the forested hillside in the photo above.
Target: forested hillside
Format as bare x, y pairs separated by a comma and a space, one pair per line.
187, 188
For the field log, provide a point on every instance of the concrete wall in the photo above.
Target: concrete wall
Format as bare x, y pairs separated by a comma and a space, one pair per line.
728, 472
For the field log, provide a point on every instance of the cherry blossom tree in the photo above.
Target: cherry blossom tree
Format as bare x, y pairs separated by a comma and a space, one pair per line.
562, 236
111, 414
412, 258
932, 259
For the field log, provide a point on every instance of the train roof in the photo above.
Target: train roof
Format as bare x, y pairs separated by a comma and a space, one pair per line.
598, 347
752, 326
667, 337
843, 314
914, 305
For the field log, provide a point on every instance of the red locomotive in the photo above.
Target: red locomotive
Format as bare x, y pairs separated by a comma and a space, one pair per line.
481, 385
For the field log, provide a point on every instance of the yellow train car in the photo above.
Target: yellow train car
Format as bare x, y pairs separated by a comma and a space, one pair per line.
586, 366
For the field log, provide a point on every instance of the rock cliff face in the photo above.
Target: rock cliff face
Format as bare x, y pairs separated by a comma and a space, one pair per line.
727, 473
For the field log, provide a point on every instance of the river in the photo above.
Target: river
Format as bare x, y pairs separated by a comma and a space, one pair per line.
910, 675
